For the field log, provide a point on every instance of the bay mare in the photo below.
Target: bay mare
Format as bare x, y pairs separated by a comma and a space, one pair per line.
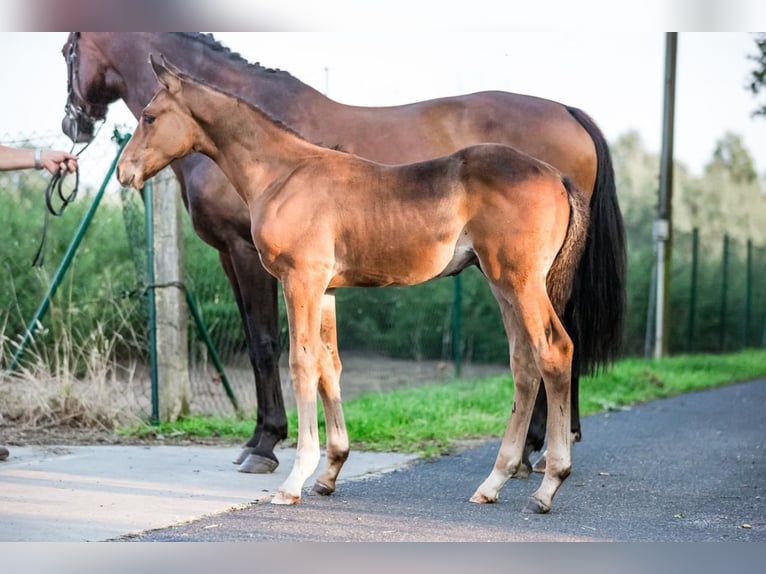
105, 67
324, 219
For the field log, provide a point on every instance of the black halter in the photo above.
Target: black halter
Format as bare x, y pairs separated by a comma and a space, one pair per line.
76, 112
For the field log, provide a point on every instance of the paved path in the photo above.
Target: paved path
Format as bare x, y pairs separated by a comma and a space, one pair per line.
65, 494
690, 468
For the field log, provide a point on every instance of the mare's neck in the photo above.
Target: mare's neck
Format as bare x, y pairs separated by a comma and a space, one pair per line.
276, 92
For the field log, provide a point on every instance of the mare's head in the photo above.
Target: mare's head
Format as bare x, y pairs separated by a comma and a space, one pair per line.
166, 130
91, 87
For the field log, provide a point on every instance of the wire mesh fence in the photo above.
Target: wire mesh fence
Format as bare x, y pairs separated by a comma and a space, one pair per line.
718, 300
718, 293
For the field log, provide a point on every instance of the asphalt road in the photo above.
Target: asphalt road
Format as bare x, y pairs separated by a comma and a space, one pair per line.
690, 468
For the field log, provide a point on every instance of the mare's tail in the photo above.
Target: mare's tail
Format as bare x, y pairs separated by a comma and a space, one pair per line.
595, 314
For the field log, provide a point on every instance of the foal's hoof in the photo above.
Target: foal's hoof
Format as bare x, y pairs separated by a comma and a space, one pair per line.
246, 451
539, 466
323, 489
4, 453
534, 506
283, 498
481, 498
257, 464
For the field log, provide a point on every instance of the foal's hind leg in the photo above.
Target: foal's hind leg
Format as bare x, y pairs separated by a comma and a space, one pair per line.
550, 351
541, 407
329, 390
526, 377
553, 350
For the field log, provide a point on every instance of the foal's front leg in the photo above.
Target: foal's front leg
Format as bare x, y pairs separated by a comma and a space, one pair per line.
303, 304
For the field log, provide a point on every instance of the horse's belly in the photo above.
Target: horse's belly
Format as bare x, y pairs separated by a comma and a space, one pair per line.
462, 257
406, 267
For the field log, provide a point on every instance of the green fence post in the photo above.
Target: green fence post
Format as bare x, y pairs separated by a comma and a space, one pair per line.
693, 290
150, 302
457, 325
724, 289
748, 294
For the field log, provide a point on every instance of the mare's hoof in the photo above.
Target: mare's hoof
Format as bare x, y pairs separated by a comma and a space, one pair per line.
534, 506
246, 451
257, 464
4, 453
523, 471
283, 498
539, 466
322, 489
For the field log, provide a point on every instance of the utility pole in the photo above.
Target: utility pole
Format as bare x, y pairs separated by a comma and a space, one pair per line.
663, 227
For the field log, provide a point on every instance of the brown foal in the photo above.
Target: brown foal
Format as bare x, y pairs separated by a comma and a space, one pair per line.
323, 219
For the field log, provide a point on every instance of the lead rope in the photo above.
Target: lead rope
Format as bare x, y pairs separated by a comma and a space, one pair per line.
56, 184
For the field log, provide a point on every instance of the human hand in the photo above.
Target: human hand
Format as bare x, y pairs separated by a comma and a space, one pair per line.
56, 161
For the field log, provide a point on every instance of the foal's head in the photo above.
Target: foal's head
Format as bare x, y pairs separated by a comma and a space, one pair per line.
166, 130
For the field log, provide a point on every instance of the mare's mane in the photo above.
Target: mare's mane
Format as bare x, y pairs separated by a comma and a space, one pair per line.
210, 43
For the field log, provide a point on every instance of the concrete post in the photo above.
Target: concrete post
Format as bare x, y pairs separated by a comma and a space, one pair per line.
172, 316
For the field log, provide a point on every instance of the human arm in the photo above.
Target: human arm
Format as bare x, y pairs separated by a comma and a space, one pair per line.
12, 158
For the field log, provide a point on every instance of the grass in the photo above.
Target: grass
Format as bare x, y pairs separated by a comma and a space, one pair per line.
68, 377
431, 419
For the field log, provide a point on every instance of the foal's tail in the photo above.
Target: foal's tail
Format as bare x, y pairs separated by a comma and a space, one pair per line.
595, 314
560, 279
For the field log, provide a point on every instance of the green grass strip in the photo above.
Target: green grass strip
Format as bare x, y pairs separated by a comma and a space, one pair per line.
431, 419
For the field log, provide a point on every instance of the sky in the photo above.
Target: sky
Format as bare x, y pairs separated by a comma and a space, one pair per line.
617, 77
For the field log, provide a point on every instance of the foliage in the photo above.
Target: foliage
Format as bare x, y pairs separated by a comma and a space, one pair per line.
93, 293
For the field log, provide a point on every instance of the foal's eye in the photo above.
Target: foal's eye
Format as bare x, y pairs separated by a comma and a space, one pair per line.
148, 119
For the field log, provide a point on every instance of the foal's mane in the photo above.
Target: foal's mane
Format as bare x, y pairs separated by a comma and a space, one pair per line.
278, 123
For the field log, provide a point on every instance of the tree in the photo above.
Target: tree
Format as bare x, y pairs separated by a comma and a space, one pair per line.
731, 200
757, 81
732, 155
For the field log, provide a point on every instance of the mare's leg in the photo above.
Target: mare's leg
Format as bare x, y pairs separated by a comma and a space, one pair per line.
575, 402
536, 434
255, 291
303, 297
329, 390
526, 379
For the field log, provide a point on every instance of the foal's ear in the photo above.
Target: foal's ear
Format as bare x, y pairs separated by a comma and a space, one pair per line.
166, 75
